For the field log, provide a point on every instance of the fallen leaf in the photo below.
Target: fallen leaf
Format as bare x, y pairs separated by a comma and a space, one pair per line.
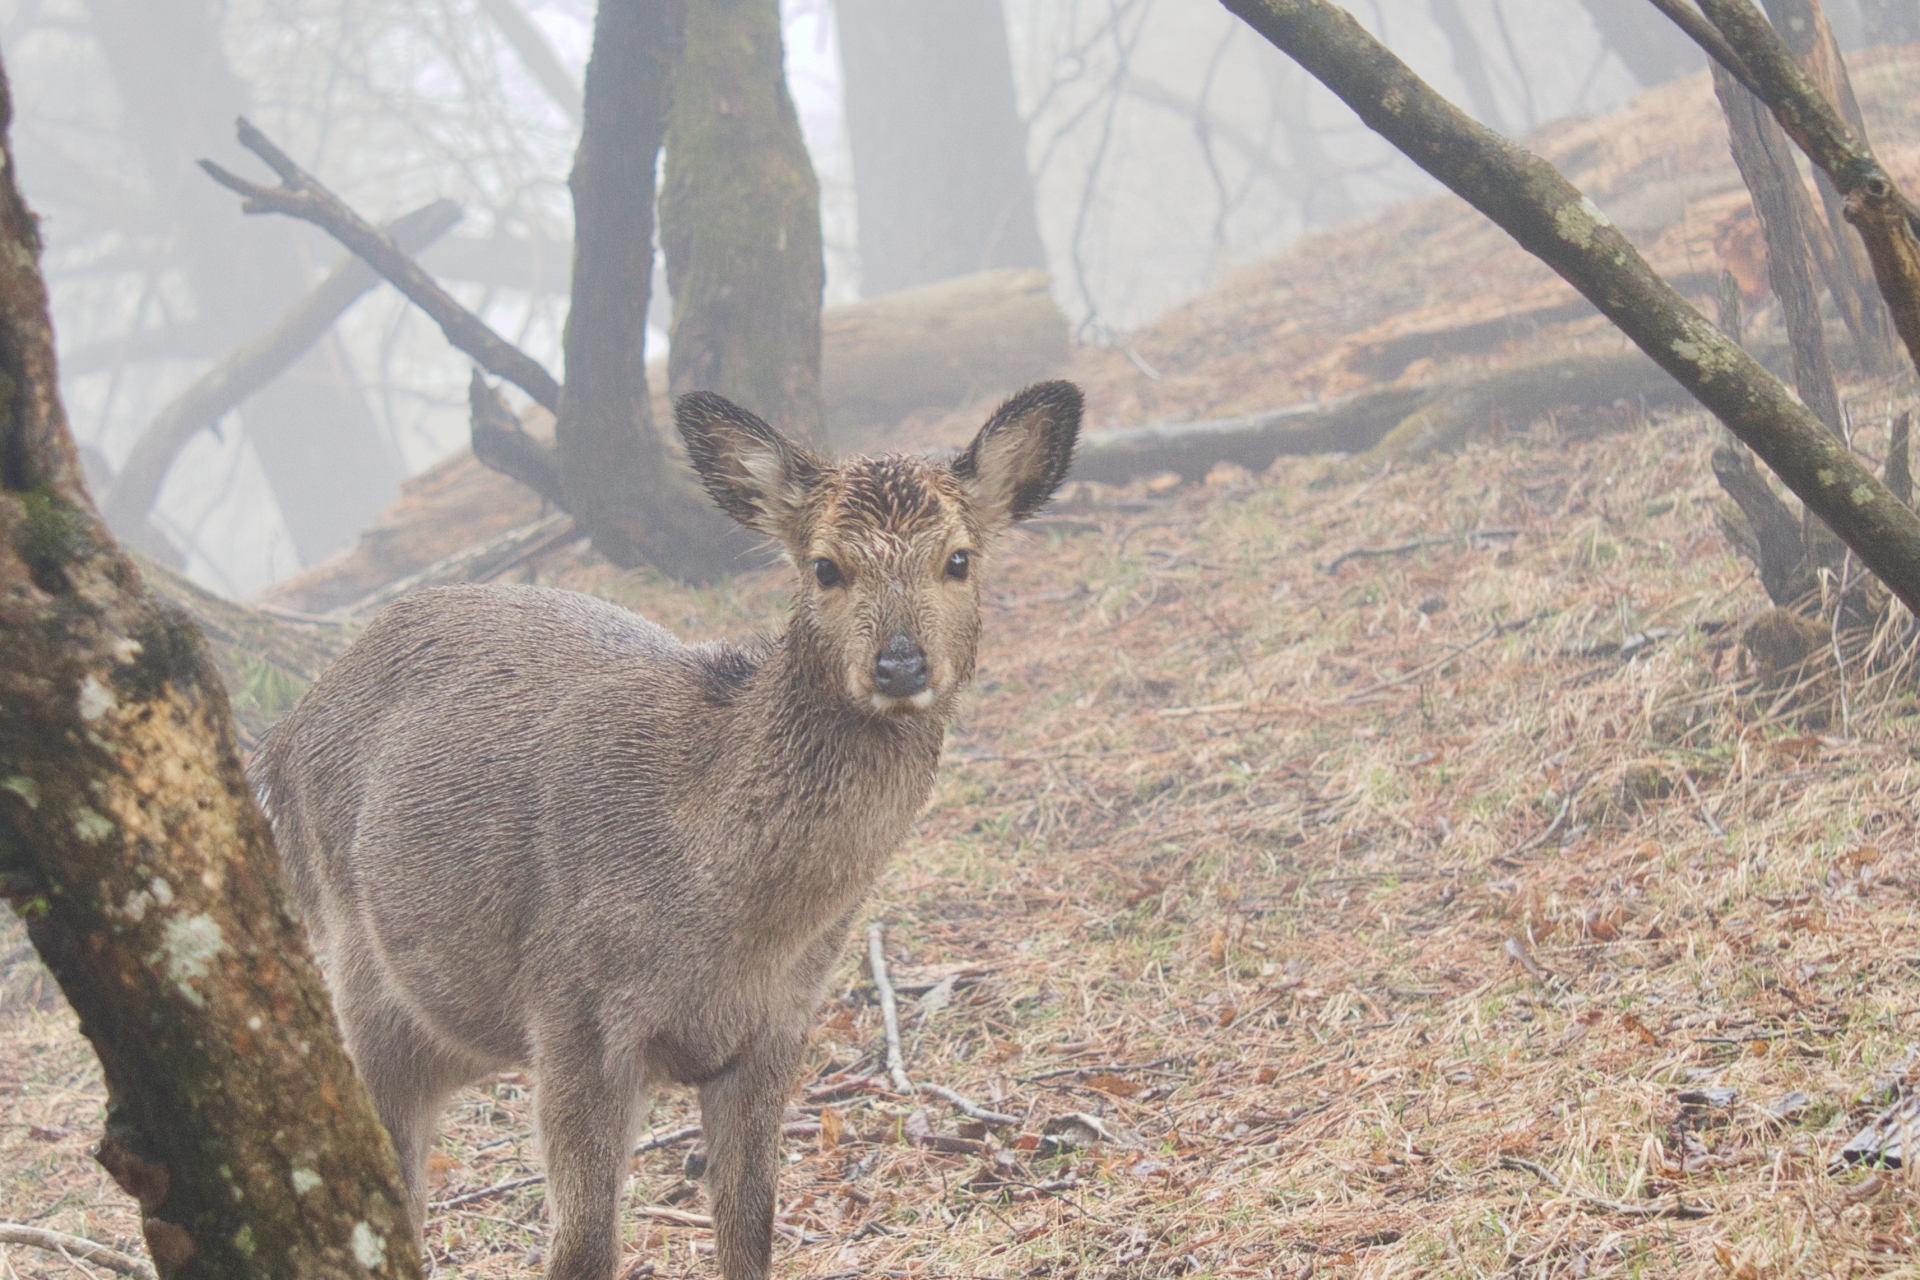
1639, 1028
1217, 948
831, 1127
1118, 1086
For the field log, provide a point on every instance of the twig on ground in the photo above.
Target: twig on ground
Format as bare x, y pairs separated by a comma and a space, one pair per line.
967, 1107
1553, 828
1705, 812
1418, 544
671, 1138
1098, 1066
75, 1246
1674, 1208
889, 1011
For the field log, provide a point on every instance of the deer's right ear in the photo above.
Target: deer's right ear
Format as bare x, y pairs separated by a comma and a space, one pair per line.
756, 475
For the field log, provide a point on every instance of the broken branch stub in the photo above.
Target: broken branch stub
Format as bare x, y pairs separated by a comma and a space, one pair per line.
1552, 220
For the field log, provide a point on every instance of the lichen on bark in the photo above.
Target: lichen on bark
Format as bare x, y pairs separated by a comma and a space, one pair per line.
146, 875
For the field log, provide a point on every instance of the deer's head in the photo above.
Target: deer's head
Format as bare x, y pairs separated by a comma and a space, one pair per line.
889, 549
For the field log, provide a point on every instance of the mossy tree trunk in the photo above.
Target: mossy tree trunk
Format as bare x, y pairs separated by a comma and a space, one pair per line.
740, 222
130, 842
614, 475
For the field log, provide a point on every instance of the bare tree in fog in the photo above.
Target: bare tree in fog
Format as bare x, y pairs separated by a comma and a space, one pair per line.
1890, 21
1653, 51
740, 220
939, 148
328, 463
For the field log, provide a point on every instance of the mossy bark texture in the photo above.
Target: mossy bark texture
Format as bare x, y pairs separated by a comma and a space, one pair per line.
740, 222
1542, 210
130, 842
614, 474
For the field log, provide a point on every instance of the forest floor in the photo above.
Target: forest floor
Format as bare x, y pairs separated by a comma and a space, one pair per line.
1336, 842
1338, 871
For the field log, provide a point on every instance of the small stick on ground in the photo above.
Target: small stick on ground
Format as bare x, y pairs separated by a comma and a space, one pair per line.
1705, 812
671, 1138
889, 1011
967, 1107
1553, 828
75, 1247
1675, 1208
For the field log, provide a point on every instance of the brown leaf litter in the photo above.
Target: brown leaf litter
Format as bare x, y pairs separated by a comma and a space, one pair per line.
1468, 910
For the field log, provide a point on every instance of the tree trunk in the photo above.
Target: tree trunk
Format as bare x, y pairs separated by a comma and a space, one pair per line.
613, 473
1653, 51
327, 460
740, 222
1765, 161
130, 842
1541, 210
939, 151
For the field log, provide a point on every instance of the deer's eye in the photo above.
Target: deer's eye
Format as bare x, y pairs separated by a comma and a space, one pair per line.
957, 565
827, 573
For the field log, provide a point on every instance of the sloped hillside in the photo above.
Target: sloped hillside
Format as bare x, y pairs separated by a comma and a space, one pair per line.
1385, 872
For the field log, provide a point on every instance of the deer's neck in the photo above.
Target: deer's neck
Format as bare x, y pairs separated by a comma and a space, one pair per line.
828, 790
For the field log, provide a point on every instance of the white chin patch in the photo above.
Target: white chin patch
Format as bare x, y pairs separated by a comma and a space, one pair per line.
887, 704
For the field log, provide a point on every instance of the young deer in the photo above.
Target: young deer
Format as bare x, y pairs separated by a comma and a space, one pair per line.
525, 826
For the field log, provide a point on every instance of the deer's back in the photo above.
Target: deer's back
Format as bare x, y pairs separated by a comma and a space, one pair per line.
476, 778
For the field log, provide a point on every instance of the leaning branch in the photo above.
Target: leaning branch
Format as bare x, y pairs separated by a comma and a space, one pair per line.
300, 195
245, 370
1551, 219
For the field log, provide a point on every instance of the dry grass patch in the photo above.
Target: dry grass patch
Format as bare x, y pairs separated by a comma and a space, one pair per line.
1458, 911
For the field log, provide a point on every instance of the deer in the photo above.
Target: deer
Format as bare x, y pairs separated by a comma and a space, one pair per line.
525, 827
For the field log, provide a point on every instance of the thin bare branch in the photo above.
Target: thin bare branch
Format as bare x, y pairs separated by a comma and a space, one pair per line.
300, 195
242, 372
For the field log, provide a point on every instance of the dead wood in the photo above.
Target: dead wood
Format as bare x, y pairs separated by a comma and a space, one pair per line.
1883, 215
939, 345
501, 442
1772, 526
73, 1247
1842, 256
131, 845
1395, 421
240, 373
1898, 471
300, 195
1552, 220
1786, 215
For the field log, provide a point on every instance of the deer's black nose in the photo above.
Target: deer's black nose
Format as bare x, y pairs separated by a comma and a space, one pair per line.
901, 669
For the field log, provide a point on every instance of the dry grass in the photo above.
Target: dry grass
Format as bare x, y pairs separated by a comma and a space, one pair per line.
1390, 872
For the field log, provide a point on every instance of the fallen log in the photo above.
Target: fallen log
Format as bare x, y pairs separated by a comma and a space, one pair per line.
1402, 422
937, 346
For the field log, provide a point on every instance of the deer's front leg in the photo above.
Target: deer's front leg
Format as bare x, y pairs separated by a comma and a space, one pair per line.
586, 1116
741, 1111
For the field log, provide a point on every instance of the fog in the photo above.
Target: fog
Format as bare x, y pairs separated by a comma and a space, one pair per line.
1167, 145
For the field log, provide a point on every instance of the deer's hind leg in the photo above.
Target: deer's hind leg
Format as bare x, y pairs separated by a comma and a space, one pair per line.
410, 1073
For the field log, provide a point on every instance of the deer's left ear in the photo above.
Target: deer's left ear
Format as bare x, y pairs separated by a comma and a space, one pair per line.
1022, 454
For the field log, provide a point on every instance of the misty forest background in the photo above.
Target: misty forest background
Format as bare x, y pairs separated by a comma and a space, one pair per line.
1164, 143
